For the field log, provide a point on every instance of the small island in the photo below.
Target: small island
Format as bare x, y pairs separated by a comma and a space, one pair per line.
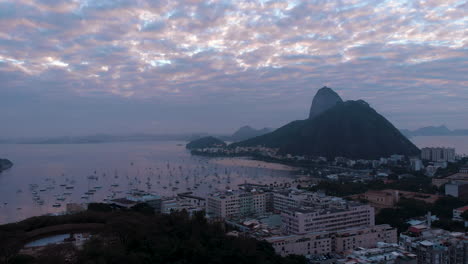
5, 164
206, 142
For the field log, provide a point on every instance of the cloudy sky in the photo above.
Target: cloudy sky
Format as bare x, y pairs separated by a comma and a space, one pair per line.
101, 66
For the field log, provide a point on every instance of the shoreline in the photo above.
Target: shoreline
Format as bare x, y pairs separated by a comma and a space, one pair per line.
252, 163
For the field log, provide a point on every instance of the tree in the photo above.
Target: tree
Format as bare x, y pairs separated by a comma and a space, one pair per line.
10, 243
464, 215
143, 208
444, 206
99, 207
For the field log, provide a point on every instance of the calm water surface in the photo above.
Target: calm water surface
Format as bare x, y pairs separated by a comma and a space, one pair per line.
165, 168
460, 143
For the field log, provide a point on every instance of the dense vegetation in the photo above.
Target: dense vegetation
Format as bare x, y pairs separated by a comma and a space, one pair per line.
139, 236
409, 208
351, 129
452, 168
205, 142
406, 208
343, 188
5, 164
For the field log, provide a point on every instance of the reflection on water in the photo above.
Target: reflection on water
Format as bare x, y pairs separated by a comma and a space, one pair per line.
46, 177
47, 240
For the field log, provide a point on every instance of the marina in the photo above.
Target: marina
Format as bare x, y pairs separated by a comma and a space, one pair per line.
46, 178
85, 173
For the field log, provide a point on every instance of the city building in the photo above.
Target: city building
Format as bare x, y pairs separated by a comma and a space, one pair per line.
441, 164
384, 253
300, 222
416, 164
380, 198
388, 198
122, 202
435, 246
396, 158
189, 198
464, 169
431, 170
289, 198
457, 214
169, 205
236, 204
333, 242
458, 189
438, 154
327, 216
460, 177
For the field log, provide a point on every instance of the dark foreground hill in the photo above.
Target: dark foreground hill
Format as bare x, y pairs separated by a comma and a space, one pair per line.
205, 142
138, 236
350, 129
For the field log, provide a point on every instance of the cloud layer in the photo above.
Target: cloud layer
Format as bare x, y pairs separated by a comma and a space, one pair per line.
407, 58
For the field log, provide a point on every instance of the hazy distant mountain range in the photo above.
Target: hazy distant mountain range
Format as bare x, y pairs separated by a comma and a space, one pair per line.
104, 138
242, 133
334, 128
247, 132
435, 131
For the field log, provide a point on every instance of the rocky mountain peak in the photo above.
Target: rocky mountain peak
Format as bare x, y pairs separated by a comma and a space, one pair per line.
324, 99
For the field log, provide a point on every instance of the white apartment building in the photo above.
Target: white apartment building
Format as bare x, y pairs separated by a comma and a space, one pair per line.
333, 242
189, 198
331, 217
282, 201
438, 154
236, 204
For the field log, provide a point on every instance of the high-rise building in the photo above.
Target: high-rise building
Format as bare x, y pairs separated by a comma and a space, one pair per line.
331, 217
283, 200
333, 242
438, 154
236, 204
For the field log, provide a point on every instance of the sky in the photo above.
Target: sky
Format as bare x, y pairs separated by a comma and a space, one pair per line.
82, 67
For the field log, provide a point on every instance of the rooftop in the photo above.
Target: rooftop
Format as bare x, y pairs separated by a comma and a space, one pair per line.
462, 209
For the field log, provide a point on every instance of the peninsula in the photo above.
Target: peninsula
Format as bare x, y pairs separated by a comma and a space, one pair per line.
5, 164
